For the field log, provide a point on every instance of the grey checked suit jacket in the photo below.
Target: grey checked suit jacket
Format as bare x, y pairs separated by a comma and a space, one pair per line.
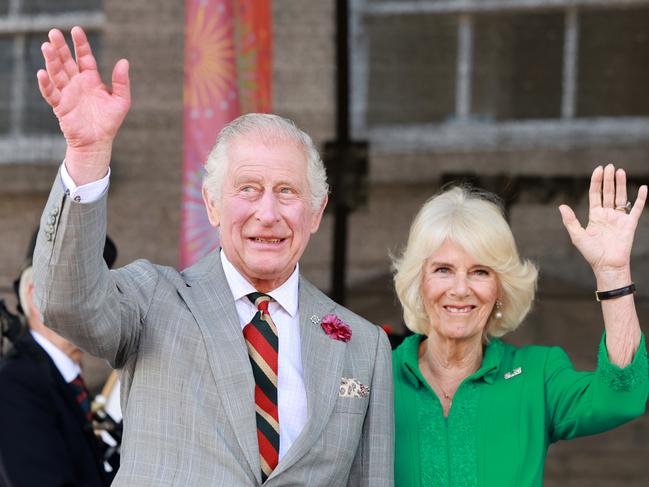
187, 385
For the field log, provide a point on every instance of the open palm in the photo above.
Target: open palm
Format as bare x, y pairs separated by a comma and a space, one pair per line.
608, 237
89, 114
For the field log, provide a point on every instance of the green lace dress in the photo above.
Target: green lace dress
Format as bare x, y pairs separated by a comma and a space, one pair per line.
506, 415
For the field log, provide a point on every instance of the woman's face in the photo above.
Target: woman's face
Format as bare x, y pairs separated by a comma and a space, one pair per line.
458, 292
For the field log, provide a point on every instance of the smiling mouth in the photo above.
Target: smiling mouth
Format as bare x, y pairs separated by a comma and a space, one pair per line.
267, 240
459, 309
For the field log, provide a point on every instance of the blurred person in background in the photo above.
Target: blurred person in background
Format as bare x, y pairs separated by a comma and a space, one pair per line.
46, 430
471, 410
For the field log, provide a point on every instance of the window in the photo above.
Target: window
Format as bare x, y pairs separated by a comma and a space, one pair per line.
29, 132
440, 74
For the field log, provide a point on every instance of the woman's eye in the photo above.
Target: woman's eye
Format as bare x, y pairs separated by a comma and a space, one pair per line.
442, 270
482, 272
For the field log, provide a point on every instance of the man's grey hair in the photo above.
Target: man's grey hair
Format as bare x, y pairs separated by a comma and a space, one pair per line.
270, 128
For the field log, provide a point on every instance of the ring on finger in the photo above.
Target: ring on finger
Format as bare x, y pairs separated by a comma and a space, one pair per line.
626, 208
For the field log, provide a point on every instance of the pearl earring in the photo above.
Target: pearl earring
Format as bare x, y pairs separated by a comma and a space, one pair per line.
498, 314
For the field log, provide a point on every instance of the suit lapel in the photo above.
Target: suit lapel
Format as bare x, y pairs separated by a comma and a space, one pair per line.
30, 347
322, 361
210, 300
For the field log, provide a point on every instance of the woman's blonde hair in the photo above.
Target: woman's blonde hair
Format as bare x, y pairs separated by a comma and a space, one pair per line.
472, 219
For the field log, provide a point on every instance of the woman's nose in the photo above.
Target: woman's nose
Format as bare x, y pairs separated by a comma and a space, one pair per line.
460, 286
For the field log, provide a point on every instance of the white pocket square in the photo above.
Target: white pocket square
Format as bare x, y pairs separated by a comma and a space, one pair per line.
350, 387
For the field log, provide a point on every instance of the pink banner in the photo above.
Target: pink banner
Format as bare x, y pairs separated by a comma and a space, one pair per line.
227, 73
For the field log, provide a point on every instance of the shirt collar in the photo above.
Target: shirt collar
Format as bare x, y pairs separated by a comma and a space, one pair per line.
67, 367
286, 295
493, 355
408, 359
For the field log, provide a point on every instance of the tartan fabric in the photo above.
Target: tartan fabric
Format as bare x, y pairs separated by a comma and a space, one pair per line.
82, 395
262, 342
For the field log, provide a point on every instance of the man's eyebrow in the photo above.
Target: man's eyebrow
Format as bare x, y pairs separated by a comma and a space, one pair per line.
244, 176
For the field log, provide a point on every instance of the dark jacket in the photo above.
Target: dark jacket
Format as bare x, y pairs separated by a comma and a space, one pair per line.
45, 441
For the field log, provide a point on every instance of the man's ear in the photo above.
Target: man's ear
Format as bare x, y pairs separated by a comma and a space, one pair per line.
212, 211
317, 215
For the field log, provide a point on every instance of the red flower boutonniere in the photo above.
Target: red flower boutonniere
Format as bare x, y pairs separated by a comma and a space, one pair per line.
336, 328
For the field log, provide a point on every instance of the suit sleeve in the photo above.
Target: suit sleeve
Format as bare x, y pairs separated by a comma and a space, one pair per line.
374, 461
586, 403
99, 310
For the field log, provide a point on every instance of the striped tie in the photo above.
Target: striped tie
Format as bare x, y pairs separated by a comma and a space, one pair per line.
261, 338
82, 395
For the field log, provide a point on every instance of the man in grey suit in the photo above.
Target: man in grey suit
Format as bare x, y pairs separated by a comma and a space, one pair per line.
236, 371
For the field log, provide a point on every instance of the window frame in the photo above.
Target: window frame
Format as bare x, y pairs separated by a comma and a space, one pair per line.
16, 146
463, 133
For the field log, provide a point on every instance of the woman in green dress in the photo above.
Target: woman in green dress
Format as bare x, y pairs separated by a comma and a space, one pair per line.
471, 410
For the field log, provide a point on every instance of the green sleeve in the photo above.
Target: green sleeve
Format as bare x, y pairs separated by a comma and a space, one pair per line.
586, 403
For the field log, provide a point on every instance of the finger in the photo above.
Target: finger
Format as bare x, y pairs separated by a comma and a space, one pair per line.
65, 56
620, 188
53, 66
51, 95
85, 59
570, 222
608, 187
595, 190
640, 201
121, 81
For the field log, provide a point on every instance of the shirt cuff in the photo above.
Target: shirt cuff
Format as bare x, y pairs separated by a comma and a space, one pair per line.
86, 193
623, 379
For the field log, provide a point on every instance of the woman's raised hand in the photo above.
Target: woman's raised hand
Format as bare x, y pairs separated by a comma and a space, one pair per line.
89, 113
608, 237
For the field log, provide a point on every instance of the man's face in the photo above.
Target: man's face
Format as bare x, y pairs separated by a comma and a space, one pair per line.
265, 216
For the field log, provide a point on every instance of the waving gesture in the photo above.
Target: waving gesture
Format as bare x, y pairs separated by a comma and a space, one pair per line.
88, 112
606, 244
607, 239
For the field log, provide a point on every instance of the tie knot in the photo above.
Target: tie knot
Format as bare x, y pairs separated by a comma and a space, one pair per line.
79, 382
260, 300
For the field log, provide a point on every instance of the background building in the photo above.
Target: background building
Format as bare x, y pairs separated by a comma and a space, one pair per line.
524, 97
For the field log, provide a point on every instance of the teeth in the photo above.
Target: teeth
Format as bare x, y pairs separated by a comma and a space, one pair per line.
453, 309
267, 240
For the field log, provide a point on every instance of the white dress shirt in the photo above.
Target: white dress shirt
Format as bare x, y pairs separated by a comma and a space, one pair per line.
68, 368
291, 394
86, 193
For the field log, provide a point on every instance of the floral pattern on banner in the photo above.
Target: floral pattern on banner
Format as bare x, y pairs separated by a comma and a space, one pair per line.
227, 72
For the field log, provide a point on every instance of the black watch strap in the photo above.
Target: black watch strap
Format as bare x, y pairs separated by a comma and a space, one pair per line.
615, 293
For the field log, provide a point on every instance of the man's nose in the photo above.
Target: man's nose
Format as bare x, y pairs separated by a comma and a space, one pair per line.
268, 209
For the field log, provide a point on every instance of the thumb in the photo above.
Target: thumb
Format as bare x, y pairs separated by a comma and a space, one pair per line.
570, 221
120, 80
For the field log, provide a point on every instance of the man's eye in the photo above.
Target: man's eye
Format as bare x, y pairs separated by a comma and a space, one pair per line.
285, 190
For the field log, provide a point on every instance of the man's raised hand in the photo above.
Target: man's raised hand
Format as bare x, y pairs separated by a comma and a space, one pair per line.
89, 114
